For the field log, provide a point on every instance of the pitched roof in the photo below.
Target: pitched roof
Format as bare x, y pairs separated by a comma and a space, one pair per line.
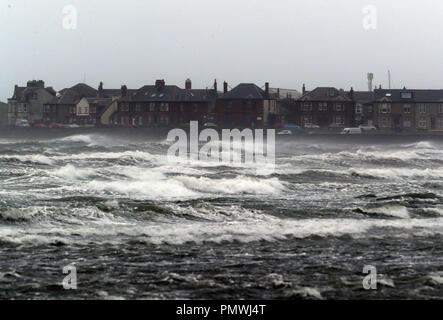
69, 96
285, 93
245, 91
401, 95
84, 90
21, 93
168, 93
109, 93
100, 101
364, 96
326, 94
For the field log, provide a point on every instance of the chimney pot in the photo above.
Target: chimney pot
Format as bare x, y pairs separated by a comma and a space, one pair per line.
225, 87
188, 84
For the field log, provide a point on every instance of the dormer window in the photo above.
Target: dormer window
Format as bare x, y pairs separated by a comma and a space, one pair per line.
406, 95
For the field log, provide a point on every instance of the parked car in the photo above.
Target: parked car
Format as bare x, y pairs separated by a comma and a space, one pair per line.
40, 125
311, 126
22, 123
284, 132
351, 131
292, 126
367, 128
73, 126
57, 126
335, 126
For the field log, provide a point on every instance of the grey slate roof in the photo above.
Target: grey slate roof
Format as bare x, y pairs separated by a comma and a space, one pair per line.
84, 90
244, 91
69, 96
326, 94
364, 96
168, 93
418, 95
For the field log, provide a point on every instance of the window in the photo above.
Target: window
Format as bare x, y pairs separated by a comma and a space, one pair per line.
369, 109
384, 108
307, 120
124, 107
72, 110
422, 123
47, 108
138, 107
384, 122
94, 109
307, 106
440, 108
20, 108
181, 107
164, 119
422, 108
164, 107
358, 109
195, 107
339, 107
322, 106
152, 107
340, 120
229, 106
406, 95
440, 122
407, 123
407, 108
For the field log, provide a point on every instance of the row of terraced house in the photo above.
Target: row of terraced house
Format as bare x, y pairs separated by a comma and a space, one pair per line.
245, 105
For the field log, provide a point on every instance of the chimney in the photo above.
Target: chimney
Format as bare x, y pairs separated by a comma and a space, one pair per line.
36, 84
124, 91
304, 89
379, 87
159, 85
188, 84
100, 87
267, 90
225, 87
351, 93
215, 85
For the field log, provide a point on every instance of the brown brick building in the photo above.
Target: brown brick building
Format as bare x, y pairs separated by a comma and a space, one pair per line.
247, 105
325, 107
165, 105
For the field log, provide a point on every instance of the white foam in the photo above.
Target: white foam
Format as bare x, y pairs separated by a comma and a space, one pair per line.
33, 158
78, 138
391, 210
73, 173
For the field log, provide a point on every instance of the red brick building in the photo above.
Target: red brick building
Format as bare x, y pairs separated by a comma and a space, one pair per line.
165, 105
325, 107
247, 105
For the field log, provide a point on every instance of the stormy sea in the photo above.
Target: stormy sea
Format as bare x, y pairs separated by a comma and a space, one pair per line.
137, 226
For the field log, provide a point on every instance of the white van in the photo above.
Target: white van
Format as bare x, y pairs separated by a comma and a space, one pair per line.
351, 131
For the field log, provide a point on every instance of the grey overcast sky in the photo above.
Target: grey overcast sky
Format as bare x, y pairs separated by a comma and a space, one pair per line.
285, 42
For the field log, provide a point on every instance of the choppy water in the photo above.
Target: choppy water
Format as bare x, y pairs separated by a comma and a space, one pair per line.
136, 226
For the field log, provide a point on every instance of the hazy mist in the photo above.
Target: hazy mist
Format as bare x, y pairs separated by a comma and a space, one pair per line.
285, 42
